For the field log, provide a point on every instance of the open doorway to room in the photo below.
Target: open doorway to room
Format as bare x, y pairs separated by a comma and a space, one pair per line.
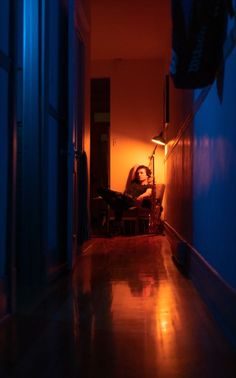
100, 148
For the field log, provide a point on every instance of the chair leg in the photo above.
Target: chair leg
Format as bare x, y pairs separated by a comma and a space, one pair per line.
108, 225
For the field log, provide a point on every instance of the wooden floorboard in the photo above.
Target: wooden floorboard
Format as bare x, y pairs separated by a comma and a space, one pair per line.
126, 312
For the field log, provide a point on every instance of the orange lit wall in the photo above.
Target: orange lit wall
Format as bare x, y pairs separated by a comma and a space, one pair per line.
82, 22
179, 163
136, 114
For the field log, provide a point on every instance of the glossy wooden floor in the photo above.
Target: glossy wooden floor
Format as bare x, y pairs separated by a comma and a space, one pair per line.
126, 312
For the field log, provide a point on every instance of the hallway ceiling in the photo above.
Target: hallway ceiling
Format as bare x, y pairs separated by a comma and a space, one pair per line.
130, 29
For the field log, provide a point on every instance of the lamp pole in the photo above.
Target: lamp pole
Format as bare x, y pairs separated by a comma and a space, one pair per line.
152, 161
152, 218
159, 139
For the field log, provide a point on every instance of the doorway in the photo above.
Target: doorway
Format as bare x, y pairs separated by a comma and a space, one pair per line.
100, 148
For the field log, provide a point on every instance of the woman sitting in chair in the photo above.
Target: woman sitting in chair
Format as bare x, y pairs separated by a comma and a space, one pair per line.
141, 189
138, 194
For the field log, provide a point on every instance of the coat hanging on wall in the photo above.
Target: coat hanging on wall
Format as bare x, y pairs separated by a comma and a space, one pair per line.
199, 29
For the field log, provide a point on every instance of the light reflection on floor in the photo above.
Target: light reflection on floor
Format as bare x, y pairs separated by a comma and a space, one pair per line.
127, 312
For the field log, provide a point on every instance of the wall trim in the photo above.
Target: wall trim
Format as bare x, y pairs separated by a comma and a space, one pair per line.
5, 61
3, 299
82, 25
219, 297
188, 120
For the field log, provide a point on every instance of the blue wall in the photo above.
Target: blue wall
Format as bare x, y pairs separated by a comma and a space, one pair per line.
214, 177
3, 168
4, 133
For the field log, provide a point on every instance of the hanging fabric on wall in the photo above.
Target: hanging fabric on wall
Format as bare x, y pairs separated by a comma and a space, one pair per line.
199, 29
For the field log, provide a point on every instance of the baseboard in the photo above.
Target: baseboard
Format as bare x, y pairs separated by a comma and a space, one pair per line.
3, 299
219, 297
56, 271
179, 249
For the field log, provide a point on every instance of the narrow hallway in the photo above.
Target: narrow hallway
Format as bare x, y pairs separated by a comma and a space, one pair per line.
125, 312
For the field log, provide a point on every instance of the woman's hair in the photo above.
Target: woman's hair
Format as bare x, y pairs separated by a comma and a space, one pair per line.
148, 171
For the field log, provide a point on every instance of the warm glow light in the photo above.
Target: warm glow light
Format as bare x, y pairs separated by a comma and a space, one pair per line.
159, 139
158, 142
164, 325
164, 314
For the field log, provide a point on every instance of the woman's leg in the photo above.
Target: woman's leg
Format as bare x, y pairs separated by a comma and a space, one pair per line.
115, 201
113, 198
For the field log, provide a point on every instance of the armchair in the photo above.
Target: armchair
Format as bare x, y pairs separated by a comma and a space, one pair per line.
136, 220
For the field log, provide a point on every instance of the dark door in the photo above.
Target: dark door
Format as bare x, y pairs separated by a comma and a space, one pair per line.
56, 132
100, 144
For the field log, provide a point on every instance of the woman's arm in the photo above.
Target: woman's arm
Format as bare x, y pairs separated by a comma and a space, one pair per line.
146, 194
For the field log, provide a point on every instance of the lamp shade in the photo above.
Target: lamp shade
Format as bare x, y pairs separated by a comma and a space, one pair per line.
159, 139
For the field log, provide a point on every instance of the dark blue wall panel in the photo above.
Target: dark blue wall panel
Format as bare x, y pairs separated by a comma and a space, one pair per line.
215, 177
54, 52
52, 195
3, 167
30, 257
4, 26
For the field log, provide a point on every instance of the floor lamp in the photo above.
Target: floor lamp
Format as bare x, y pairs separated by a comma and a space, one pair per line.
159, 140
